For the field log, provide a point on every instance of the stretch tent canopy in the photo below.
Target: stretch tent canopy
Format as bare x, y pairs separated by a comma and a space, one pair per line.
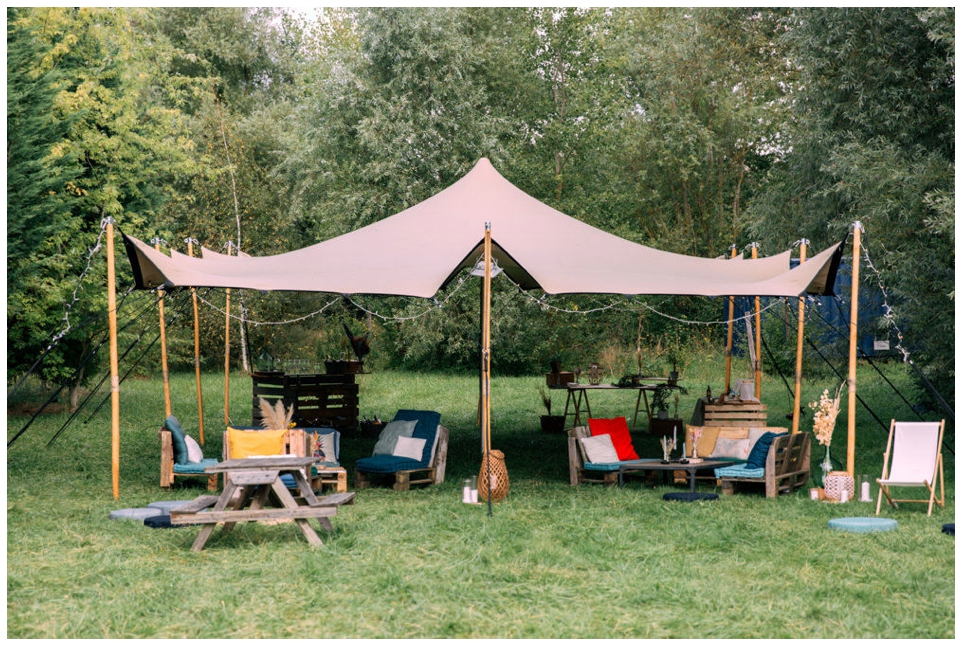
421, 249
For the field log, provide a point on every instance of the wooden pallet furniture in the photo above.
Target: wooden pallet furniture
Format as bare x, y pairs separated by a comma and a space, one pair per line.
407, 471
297, 443
735, 412
578, 473
318, 400
786, 467
169, 470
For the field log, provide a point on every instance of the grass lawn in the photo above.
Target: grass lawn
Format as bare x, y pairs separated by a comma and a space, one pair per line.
552, 562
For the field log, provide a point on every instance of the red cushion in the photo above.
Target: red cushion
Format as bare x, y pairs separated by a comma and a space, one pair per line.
617, 428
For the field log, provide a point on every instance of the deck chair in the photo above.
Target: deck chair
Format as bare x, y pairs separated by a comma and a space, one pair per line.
913, 458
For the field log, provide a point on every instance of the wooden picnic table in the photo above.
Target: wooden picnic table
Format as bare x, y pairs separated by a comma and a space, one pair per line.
261, 495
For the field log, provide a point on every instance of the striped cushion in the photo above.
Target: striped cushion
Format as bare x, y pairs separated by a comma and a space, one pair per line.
601, 466
740, 471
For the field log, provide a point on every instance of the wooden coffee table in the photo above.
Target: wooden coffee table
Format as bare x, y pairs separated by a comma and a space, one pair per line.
637, 466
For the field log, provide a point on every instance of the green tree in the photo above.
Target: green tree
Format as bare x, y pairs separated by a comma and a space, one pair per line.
873, 140
114, 140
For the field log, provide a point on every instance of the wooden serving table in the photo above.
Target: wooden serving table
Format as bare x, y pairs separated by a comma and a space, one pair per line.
260, 496
578, 397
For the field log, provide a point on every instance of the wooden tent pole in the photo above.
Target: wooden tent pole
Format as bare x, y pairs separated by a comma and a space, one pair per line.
486, 341
200, 394
227, 354
164, 373
114, 372
728, 346
486, 363
797, 407
758, 336
853, 348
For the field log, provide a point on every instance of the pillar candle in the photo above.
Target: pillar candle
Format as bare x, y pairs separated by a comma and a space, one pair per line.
865, 493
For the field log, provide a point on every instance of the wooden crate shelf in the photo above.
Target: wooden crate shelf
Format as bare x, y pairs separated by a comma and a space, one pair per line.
318, 400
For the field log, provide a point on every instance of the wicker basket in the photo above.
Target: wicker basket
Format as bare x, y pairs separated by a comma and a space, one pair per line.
499, 477
838, 481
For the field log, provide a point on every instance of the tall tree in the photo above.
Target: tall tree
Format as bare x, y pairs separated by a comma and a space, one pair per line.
874, 141
116, 141
710, 105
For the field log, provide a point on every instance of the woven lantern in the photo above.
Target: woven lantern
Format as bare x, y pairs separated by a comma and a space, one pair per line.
836, 482
498, 474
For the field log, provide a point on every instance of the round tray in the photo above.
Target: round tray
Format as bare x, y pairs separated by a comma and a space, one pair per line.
863, 525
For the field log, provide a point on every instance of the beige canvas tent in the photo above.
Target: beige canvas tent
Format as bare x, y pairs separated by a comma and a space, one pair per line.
483, 216
418, 251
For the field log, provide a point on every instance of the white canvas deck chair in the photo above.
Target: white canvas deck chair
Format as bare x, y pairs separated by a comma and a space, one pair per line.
913, 458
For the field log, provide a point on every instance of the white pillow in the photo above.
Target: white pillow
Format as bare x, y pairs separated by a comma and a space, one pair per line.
599, 449
194, 452
387, 440
409, 447
753, 435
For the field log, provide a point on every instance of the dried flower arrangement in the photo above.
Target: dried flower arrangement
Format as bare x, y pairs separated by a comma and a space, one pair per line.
826, 410
275, 418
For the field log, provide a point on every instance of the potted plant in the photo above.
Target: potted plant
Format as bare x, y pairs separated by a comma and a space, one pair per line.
550, 423
662, 398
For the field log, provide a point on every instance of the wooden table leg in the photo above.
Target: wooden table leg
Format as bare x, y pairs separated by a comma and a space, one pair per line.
287, 500
207, 529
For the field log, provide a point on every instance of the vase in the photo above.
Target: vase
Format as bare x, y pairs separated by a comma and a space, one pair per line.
826, 465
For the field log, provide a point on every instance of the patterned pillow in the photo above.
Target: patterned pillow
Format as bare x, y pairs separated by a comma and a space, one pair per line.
730, 448
324, 447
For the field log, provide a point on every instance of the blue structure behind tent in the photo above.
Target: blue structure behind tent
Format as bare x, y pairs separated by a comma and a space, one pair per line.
871, 342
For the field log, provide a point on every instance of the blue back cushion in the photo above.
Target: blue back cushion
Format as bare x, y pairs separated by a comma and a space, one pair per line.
426, 429
177, 439
759, 453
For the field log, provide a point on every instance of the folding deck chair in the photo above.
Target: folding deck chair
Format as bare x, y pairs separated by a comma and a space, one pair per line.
913, 458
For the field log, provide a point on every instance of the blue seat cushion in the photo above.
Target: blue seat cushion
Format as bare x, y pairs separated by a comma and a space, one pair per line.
194, 468
613, 466
601, 466
388, 464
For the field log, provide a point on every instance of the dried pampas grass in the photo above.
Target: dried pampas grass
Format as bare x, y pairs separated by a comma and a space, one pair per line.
275, 418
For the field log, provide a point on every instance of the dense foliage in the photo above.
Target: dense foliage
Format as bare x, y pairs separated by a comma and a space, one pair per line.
685, 129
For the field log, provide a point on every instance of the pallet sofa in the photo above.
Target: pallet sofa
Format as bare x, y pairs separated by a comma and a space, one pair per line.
245, 441
781, 467
581, 469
